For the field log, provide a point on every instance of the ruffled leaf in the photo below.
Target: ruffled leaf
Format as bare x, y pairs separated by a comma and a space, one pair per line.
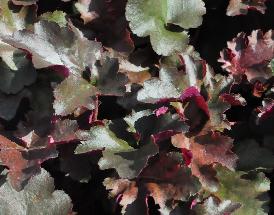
241, 7
243, 190
249, 55
100, 138
38, 197
150, 17
55, 46
166, 180
72, 93
24, 162
12, 81
205, 151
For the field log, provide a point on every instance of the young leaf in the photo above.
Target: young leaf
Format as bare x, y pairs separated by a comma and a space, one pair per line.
57, 16
249, 55
241, 7
150, 17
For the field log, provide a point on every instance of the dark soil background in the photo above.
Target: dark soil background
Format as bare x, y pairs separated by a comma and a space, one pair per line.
209, 39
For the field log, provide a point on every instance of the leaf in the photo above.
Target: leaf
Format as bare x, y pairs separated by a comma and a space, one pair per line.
100, 138
109, 81
10, 22
134, 116
72, 93
103, 16
39, 117
128, 164
165, 180
207, 150
149, 130
83, 7
78, 167
64, 131
12, 81
10, 103
38, 197
150, 17
167, 85
241, 7
272, 65
24, 162
57, 16
213, 206
168, 180
55, 46
244, 191
252, 156
249, 55
125, 187
218, 102
24, 2
193, 69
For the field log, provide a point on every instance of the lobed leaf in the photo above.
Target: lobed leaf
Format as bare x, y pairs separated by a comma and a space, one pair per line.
150, 17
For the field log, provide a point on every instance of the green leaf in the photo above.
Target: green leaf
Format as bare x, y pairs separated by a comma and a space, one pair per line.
99, 138
128, 164
57, 16
150, 18
272, 65
167, 85
38, 197
72, 93
244, 191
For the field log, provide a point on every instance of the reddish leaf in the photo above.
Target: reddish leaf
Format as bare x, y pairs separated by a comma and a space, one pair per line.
207, 150
241, 7
24, 162
249, 55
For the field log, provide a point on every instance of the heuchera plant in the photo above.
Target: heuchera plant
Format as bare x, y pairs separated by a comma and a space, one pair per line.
172, 147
